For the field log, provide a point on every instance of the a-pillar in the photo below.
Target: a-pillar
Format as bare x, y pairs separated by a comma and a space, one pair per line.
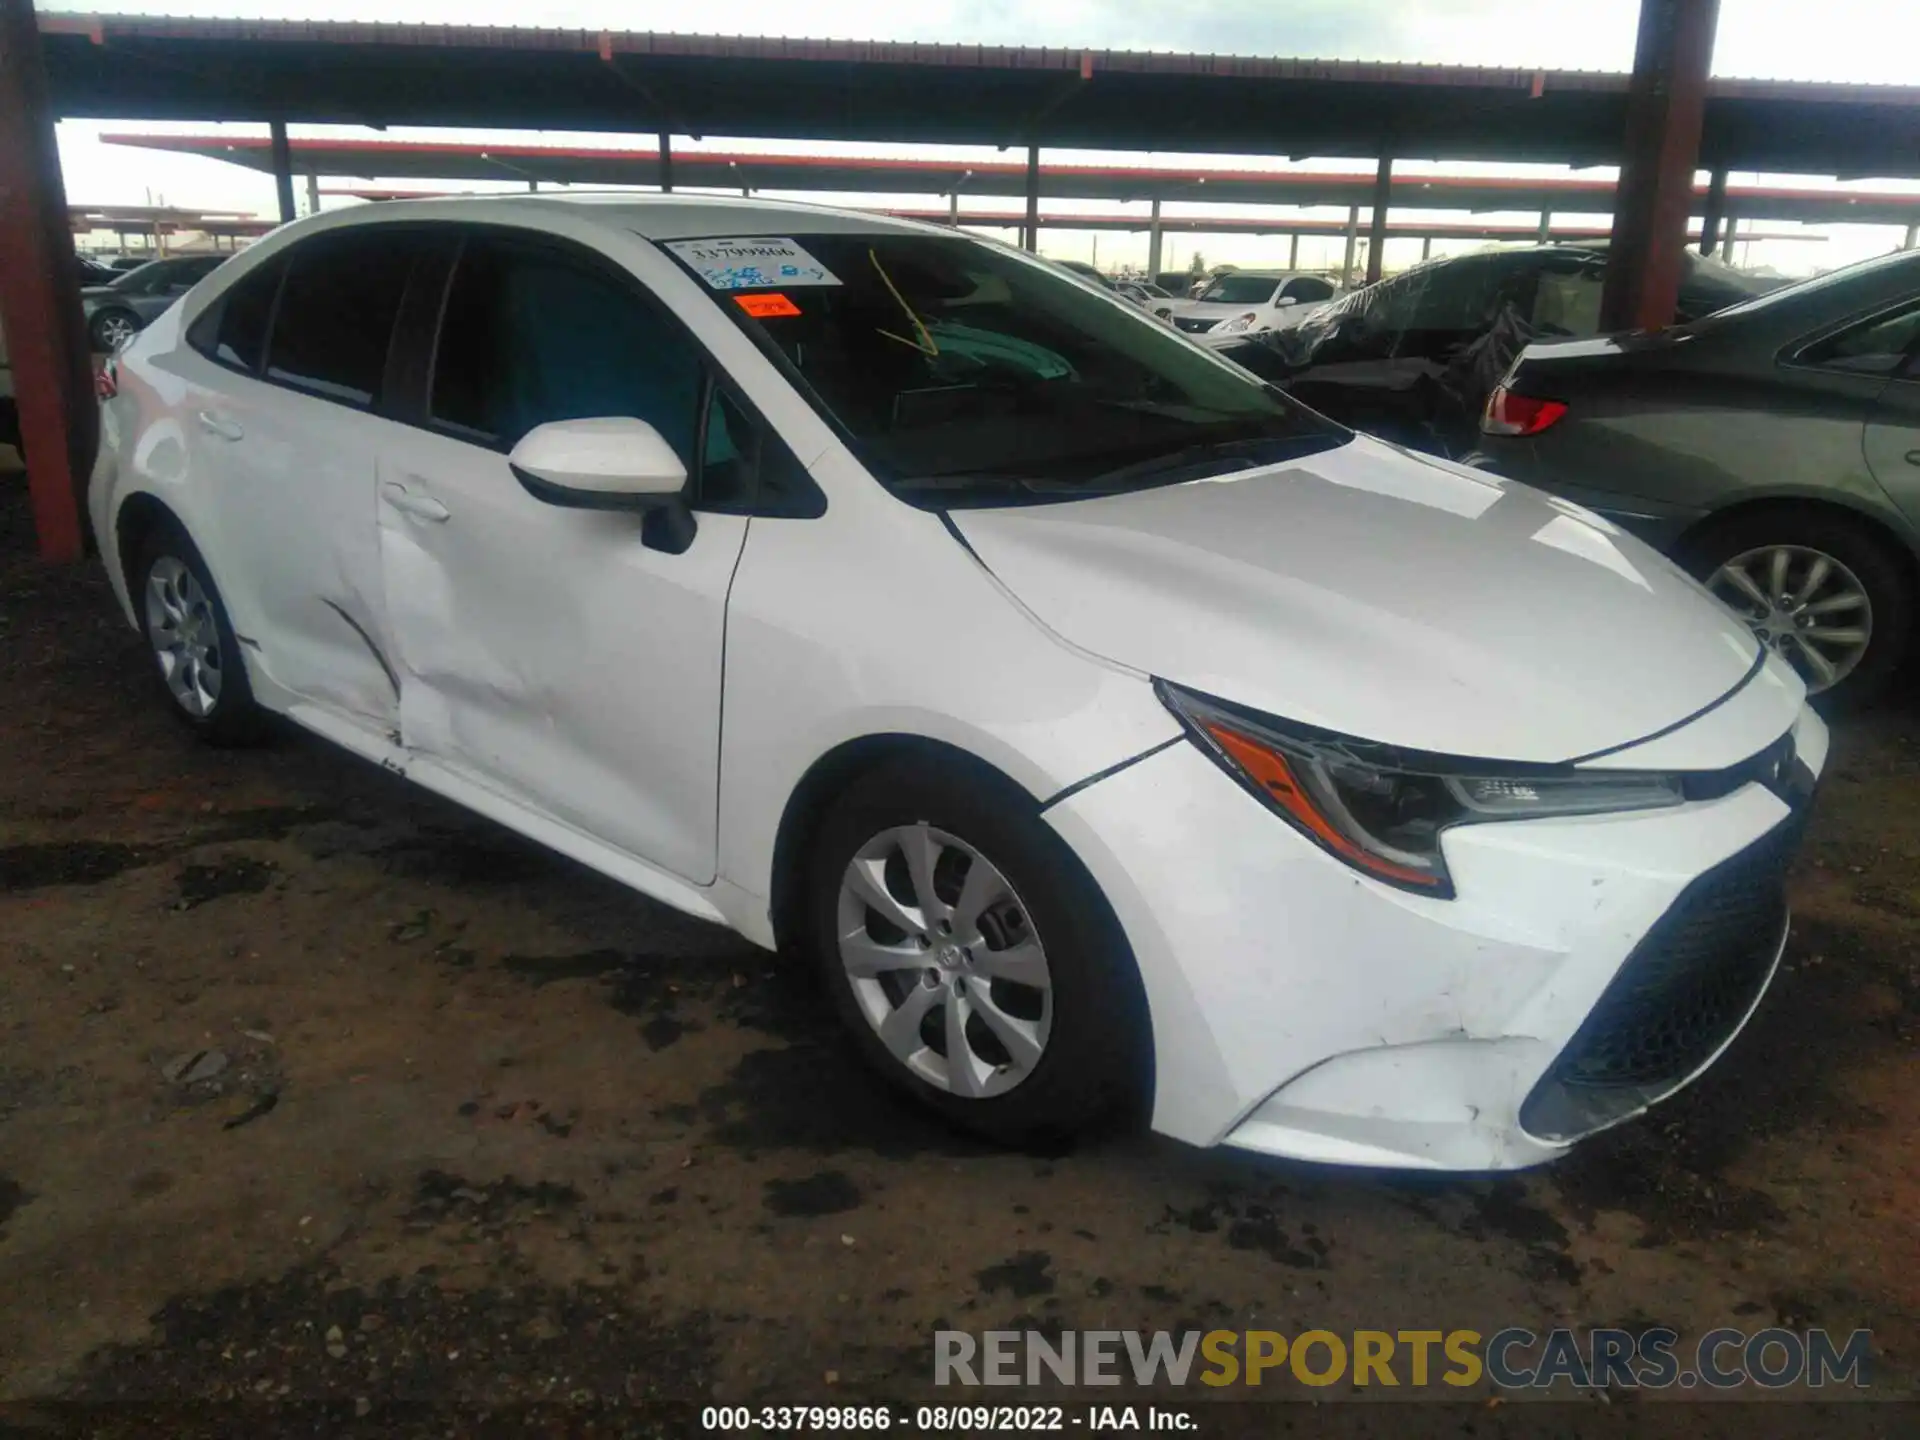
282, 168
1666, 101
1030, 236
1715, 212
1377, 226
40, 295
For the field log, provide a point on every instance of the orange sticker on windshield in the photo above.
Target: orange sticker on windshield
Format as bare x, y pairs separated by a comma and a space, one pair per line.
766, 307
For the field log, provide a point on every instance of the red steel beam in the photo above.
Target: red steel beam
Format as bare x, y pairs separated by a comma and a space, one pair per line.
39, 295
1666, 102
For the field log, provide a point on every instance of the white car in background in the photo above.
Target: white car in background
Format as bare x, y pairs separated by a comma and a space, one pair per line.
1115, 734
1247, 301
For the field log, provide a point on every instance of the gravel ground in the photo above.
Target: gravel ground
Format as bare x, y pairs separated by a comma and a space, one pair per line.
326, 1108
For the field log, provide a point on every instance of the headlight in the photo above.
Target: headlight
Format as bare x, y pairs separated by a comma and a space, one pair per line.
1382, 810
1239, 322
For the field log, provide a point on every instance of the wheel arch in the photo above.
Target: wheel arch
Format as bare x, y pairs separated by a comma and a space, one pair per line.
825, 781
139, 515
1835, 505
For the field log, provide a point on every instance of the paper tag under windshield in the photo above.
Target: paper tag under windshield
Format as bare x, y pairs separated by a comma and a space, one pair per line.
751, 262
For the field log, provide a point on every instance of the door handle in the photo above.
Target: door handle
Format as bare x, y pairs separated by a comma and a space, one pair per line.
421, 507
219, 425
1913, 457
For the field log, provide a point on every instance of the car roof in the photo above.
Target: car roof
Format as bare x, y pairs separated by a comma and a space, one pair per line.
655, 217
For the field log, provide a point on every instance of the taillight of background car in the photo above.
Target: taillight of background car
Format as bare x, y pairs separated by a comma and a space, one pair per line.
106, 379
1511, 414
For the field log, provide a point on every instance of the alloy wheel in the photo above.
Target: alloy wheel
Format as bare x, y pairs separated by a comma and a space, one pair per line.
944, 961
117, 332
1805, 604
185, 635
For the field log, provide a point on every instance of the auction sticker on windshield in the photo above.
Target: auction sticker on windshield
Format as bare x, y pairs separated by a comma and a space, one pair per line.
746, 264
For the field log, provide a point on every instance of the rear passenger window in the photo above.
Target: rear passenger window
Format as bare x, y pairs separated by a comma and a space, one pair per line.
1878, 347
336, 313
233, 330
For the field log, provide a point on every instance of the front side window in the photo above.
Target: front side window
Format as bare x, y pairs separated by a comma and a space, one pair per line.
965, 373
1308, 288
336, 313
529, 336
1880, 346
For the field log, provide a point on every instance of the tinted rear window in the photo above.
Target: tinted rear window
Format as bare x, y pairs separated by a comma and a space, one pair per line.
336, 313
234, 330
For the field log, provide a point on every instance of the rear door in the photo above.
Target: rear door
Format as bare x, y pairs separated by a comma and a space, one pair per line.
552, 654
290, 436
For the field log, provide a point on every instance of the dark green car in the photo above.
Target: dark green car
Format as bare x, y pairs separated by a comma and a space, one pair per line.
1773, 447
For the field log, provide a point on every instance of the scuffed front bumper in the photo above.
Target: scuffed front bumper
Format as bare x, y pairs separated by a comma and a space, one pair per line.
1301, 1009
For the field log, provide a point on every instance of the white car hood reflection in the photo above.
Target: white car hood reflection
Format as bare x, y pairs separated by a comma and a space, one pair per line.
1381, 595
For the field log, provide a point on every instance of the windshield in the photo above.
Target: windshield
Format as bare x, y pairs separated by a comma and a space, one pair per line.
966, 373
1241, 290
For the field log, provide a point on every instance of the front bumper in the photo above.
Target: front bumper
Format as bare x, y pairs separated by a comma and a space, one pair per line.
1301, 1009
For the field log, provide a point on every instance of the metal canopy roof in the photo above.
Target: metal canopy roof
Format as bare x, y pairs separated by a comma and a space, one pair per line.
399, 159
376, 74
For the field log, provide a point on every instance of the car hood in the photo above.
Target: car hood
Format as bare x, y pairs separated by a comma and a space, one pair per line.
1383, 595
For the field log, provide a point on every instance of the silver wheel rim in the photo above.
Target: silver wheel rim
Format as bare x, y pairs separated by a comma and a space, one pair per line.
117, 331
185, 636
1804, 604
944, 961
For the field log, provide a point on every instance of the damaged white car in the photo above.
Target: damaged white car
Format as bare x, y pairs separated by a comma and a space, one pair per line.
1119, 736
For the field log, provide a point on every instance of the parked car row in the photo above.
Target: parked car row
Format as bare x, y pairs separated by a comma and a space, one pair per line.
1769, 440
1119, 736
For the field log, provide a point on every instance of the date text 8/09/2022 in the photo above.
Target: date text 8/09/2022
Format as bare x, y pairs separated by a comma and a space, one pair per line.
939, 1419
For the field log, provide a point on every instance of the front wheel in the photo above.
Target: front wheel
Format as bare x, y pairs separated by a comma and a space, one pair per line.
192, 641
1823, 591
973, 960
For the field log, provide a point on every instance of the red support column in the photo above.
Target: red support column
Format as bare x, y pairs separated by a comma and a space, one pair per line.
39, 295
1665, 104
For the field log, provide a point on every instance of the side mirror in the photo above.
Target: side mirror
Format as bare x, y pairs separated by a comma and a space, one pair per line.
610, 463
1284, 301
613, 462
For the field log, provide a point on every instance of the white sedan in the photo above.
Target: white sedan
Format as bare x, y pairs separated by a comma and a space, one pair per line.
1116, 735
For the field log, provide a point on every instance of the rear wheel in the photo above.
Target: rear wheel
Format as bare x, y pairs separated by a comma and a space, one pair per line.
972, 959
113, 330
1822, 590
192, 642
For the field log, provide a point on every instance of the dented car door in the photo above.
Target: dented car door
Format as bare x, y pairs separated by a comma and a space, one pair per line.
549, 653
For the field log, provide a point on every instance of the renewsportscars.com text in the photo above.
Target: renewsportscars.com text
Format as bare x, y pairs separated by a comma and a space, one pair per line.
1512, 1358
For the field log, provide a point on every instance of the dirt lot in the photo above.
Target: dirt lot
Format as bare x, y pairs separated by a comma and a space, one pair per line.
463, 1122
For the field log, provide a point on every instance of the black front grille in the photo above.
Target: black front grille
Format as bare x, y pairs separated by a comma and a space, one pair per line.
1194, 323
1681, 993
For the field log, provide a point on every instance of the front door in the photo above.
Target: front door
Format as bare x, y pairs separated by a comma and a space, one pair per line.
548, 653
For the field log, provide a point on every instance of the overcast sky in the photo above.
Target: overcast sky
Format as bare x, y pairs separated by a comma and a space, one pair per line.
1873, 41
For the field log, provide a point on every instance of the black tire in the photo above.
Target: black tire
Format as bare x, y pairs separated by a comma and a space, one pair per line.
233, 718
97, 327
1882, 573
1095, 1071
